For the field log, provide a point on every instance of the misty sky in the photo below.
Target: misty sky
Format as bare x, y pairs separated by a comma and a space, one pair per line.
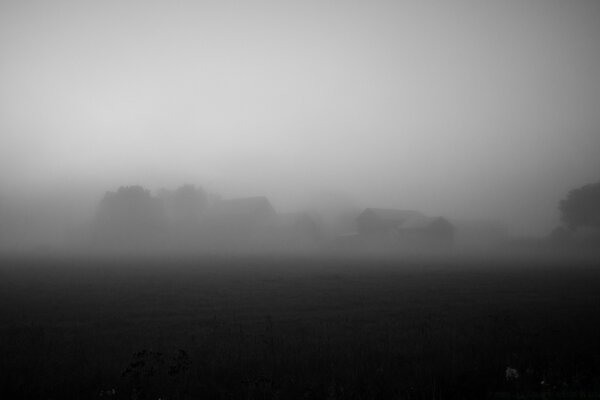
460, 108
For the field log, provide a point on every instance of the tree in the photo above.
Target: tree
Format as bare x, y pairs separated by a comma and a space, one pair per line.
130, 218
184, 204
581, 207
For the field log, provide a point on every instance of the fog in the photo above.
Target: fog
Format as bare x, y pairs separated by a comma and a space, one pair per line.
466, 110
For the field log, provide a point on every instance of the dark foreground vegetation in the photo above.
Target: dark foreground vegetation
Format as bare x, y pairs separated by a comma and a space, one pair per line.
299, 328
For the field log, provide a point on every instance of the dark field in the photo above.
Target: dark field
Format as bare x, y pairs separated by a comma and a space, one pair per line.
298, 328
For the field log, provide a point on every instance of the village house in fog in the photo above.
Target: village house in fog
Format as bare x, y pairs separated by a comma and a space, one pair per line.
426, 231
188, 219
185, 220
382, 228
382, 220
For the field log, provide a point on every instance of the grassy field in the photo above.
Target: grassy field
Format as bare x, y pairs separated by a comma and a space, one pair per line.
298, 327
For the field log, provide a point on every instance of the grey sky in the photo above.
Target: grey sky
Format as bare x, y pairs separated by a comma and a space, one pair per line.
465, 108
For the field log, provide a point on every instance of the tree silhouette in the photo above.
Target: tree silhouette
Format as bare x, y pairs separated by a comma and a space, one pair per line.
130, 217
581, 207
184, 204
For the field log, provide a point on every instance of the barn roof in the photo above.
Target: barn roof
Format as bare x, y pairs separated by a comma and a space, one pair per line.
245, 206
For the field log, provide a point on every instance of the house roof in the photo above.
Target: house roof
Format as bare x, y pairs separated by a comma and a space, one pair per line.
421, 222
397, 217
245, 206
417, 222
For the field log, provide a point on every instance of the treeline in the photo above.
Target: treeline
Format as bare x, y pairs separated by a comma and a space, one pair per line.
190, 218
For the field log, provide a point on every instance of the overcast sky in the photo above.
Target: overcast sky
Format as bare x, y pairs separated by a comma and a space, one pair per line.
460, 108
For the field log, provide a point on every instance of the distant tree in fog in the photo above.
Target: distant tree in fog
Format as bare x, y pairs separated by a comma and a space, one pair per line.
130, 217
581, 207
185, 204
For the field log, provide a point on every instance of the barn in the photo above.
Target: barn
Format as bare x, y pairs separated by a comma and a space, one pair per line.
403, 228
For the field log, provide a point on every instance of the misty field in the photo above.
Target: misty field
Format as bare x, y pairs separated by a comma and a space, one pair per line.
298, 328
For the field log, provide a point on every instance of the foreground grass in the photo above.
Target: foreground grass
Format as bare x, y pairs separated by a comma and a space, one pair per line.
291, 328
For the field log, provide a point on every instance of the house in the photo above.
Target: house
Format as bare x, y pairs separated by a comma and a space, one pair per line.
426, 231
381, 227
383, 220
